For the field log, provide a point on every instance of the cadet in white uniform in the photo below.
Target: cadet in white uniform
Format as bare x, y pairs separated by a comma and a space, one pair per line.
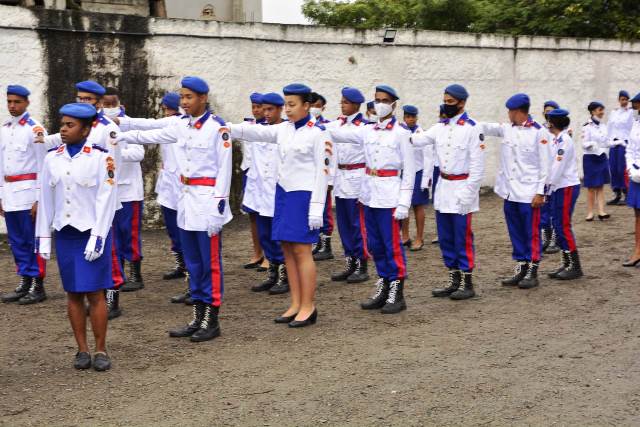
304, 165
386, 195
459, 146
20, 163
549, 245
521, 179
349, 173
78, 200
633, 169
564, 188
594, 160
619, 127
203, 151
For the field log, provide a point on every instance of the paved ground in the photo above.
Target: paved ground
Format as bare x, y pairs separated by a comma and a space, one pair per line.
565, 353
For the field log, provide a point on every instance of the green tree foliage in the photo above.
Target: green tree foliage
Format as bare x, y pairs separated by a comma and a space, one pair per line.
584, 18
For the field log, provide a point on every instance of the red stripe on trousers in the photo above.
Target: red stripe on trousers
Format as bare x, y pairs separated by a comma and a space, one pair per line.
468, 239
329, 213
626, 178
397, 249
566, 218
215, 271
42, 266
363, 231
535, 236
135, 231
116, 272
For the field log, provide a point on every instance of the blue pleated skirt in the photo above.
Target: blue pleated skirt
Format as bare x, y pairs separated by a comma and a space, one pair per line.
77, 274
291, 217
419, 197
633, 196
596, 170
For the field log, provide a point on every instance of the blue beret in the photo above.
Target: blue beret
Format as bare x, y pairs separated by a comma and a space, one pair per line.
78, 110
171, 100
195, 84
18, 90
594, 104
623, 93
387, 89
519, 100
272, 98
296, 89
371, 105
352, 94
558, 112
457, 91
636, 98
410, 109
256, 98
550, 103
91, 87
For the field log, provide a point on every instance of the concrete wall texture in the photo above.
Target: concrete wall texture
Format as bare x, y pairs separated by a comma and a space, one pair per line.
50, 50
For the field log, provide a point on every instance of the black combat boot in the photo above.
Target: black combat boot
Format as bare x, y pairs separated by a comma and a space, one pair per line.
282, 285
209, 326
573, 270
616, 199
530, 279
21, 290
270, 282
455, 278
623, 202
315, 247
135, 282
324, 251
565, 263
361, 274
395, 299
349, 269
553, 247
465, 291
36, 292
113, 303
546, 237
179, 270
519, 272
194, 325
379, 297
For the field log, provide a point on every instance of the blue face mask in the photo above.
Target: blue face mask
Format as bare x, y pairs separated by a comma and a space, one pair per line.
450, 110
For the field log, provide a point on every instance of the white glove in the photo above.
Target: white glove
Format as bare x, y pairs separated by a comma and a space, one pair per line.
634, 174
94, 248
401, 212
44, 248
315, 222
214, 226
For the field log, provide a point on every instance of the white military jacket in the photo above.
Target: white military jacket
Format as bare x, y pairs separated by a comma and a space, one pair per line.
168, 181
350, 165
130, 184
203, 153
594, 138
304, 160
632, 154
459, 151
79, 191
20, 162
619, 126
564, 167
524, 160
390, 166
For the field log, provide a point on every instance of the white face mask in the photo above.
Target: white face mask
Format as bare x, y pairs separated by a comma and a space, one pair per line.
315, 112
373, 117
111, 112
383, 110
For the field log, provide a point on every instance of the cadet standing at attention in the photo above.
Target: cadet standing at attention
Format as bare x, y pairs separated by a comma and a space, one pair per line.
20, 163
619, 126
549, 245
459, 145
594, 160
633, 167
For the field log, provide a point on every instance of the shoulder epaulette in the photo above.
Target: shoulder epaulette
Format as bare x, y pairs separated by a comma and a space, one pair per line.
30, 122
470, 121
318, 125
54, 148
184, 116
219, 120
404, 126
536, 125
99, 148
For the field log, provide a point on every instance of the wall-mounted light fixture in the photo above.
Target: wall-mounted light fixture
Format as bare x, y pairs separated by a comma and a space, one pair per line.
389, 35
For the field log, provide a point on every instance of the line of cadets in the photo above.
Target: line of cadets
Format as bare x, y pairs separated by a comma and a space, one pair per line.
377, 170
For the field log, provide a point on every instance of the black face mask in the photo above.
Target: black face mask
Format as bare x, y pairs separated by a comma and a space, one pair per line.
451, 110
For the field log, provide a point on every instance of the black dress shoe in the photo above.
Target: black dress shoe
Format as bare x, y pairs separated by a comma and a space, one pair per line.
82, 360
311, 320
631, 263
252, 265
285, 319
603, 217
101, 362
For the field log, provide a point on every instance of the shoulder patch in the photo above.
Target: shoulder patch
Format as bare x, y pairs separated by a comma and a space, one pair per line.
219, 120
99, 148
318, 125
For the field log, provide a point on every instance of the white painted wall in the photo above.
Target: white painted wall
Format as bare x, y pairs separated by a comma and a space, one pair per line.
238, 59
